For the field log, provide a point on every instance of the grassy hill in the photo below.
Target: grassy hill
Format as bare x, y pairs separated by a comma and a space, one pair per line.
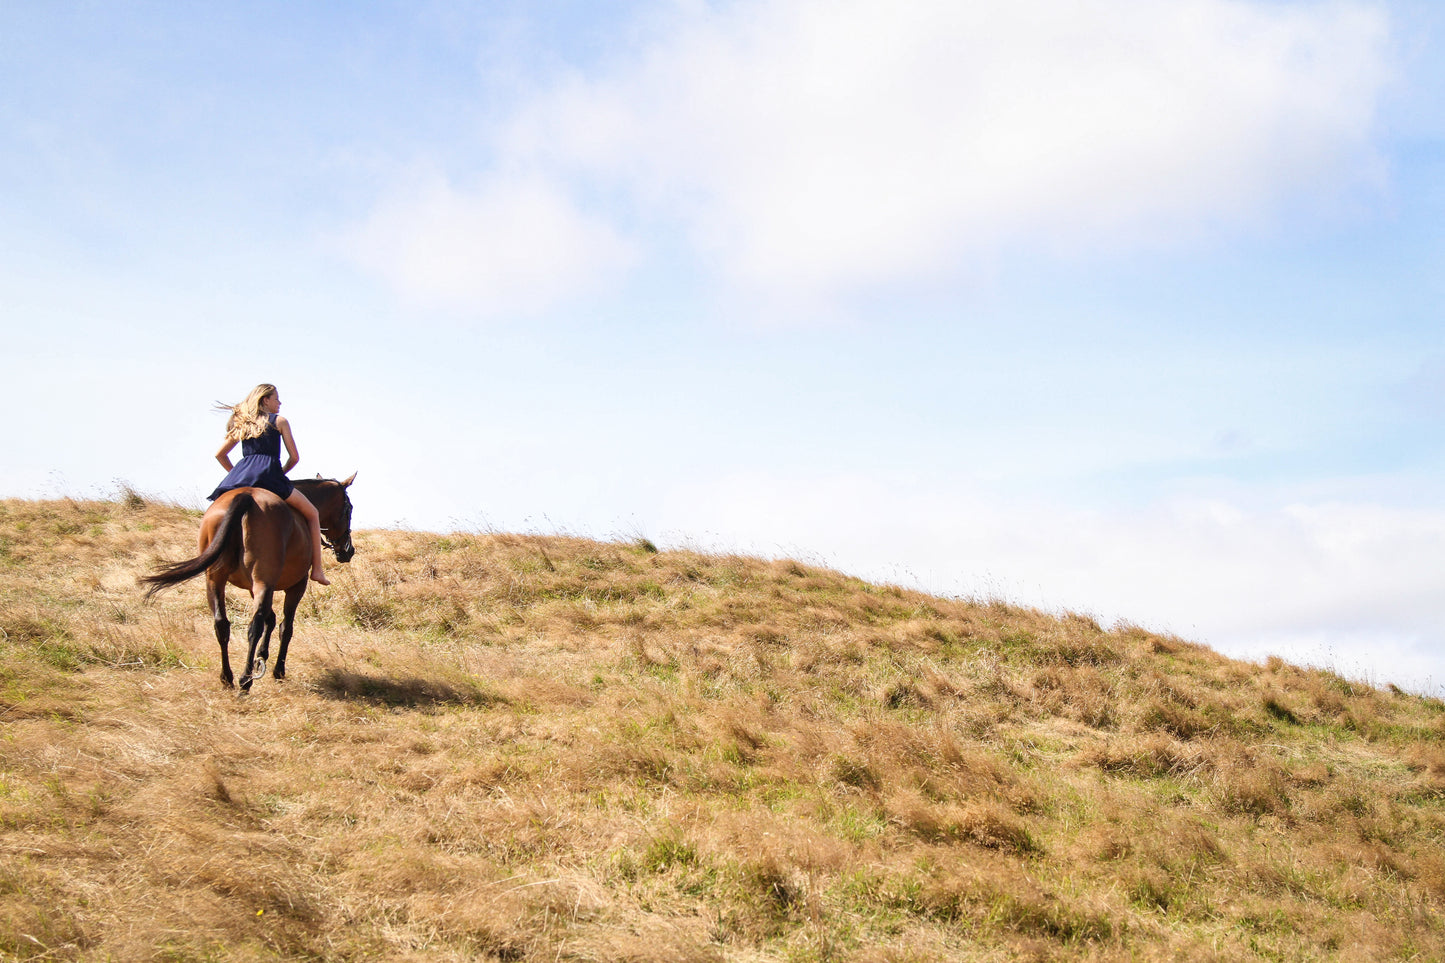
544, 748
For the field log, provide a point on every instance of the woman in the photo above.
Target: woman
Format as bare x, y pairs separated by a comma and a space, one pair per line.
256, 424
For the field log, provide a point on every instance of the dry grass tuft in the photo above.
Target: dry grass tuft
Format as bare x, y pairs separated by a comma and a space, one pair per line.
1148, 756
505, 747
982, 822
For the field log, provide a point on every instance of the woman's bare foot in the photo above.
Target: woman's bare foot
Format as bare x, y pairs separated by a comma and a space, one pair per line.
319, 577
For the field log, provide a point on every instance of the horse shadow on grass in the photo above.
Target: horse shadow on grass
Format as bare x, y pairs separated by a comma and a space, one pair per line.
402, 691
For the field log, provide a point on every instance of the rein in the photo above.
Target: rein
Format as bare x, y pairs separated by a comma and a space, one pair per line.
326, 542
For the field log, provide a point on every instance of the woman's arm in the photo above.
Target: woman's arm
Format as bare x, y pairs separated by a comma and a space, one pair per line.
284, 426
224, 454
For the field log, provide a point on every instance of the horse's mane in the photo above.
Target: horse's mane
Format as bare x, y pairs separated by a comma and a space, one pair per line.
314, 482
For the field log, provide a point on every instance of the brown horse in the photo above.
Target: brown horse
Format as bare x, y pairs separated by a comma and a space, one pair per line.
255, 541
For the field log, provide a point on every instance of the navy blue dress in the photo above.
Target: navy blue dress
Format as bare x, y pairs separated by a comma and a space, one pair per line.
259, 467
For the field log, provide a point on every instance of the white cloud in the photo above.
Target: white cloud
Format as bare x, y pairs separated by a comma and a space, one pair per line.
807, 148
507, 243
812, 145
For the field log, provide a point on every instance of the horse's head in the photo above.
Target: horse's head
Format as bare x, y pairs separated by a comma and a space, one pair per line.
334, 506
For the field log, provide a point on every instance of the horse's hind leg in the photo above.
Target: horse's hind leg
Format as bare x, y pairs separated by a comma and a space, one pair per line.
288, 618
261, 624
264, 652
216, 598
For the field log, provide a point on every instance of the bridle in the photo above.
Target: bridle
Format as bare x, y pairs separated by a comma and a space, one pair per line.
326, 542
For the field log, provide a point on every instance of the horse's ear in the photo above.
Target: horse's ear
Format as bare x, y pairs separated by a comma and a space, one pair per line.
347, 483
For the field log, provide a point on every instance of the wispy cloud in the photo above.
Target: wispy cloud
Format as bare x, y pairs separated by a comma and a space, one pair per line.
505, 243
808, 148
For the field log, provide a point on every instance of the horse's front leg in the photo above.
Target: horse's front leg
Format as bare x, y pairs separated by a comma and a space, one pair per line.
262, 621
216, 598
288, 618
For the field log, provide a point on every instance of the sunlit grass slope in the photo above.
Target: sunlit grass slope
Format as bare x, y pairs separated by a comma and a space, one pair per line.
542, 748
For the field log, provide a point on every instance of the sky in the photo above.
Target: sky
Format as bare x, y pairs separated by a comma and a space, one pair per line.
1106, 306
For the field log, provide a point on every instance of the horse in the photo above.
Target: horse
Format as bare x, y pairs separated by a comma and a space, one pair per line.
252, 539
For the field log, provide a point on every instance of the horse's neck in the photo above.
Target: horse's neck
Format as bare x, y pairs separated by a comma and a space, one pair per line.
322, 500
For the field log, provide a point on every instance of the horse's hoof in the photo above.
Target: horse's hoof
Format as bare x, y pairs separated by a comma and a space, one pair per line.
258, 669
280, 674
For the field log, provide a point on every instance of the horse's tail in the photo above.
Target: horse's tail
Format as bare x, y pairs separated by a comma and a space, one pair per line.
226, 540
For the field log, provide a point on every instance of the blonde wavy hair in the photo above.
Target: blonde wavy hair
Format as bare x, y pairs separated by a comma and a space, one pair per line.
247, 419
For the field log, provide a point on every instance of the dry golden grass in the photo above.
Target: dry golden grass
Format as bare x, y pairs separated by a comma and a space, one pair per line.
541, 748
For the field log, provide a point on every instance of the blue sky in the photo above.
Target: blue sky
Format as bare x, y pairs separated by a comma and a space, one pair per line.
1114, 306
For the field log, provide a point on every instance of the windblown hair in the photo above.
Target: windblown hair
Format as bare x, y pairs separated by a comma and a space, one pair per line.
247, 419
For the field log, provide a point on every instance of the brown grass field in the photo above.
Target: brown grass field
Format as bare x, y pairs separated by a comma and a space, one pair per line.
497, 747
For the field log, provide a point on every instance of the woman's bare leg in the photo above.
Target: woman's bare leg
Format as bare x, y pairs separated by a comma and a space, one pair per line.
299, 502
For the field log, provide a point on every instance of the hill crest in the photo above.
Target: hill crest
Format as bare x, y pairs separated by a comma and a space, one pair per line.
541, 747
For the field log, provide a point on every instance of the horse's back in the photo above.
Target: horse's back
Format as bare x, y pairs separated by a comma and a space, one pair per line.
275, 544
211, 520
